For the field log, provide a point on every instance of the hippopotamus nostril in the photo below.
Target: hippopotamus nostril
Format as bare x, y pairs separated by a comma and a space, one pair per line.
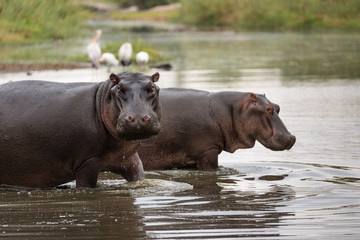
291, 142
129, 118
147, 117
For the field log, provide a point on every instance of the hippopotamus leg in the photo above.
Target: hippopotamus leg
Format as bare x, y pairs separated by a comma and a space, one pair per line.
86, 175
132, 168
209, 161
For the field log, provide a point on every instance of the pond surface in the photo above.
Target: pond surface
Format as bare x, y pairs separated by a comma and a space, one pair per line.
309, 192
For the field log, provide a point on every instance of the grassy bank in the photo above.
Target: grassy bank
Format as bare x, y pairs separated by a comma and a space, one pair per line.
54, 53
34, 20
145, 15
272, 14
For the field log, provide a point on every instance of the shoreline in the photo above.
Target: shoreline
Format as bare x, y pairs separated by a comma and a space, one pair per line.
16, 67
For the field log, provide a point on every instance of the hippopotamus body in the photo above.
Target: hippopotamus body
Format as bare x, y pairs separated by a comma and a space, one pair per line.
198, 125
52, 133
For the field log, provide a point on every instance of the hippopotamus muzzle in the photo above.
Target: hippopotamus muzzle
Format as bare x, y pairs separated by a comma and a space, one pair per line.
138, 126
291, 142
277, 143
281, 139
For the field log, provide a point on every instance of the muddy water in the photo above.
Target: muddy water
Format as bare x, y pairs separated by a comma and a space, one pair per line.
309, 192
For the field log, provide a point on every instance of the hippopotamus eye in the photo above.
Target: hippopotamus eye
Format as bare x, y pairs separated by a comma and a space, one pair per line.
118, 88
151, 87
269, 110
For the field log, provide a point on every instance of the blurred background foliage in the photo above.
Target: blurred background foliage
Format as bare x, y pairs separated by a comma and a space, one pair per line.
272, 14
34, 20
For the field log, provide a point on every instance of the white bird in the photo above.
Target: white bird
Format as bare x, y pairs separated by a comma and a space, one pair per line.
109, 59
94, 50
142, 59
125, 53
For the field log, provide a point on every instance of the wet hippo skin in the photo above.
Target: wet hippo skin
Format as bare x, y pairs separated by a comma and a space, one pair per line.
52, 133
198, 125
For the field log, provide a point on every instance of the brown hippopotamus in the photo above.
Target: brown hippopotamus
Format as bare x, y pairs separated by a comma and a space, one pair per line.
198, 125
52, 133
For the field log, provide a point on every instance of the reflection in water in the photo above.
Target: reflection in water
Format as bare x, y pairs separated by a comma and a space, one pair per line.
216, 208
105, 212
76, 214
321, 56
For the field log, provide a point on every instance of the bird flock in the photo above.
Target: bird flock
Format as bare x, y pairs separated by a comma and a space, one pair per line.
124, 56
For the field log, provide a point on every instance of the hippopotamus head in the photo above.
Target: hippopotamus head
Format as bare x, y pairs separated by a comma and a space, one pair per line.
259, 120
134, 107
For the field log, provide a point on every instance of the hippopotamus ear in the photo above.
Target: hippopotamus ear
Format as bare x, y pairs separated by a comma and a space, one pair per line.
155, 77
114, 78
253, 98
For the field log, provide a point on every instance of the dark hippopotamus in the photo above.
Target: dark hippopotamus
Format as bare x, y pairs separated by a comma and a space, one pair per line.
198, 125
52, 133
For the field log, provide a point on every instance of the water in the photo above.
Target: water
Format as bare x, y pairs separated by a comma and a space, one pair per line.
309, 192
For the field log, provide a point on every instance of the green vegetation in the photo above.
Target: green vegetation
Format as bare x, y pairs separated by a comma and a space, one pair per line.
34, 20
156, 16
271, 14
